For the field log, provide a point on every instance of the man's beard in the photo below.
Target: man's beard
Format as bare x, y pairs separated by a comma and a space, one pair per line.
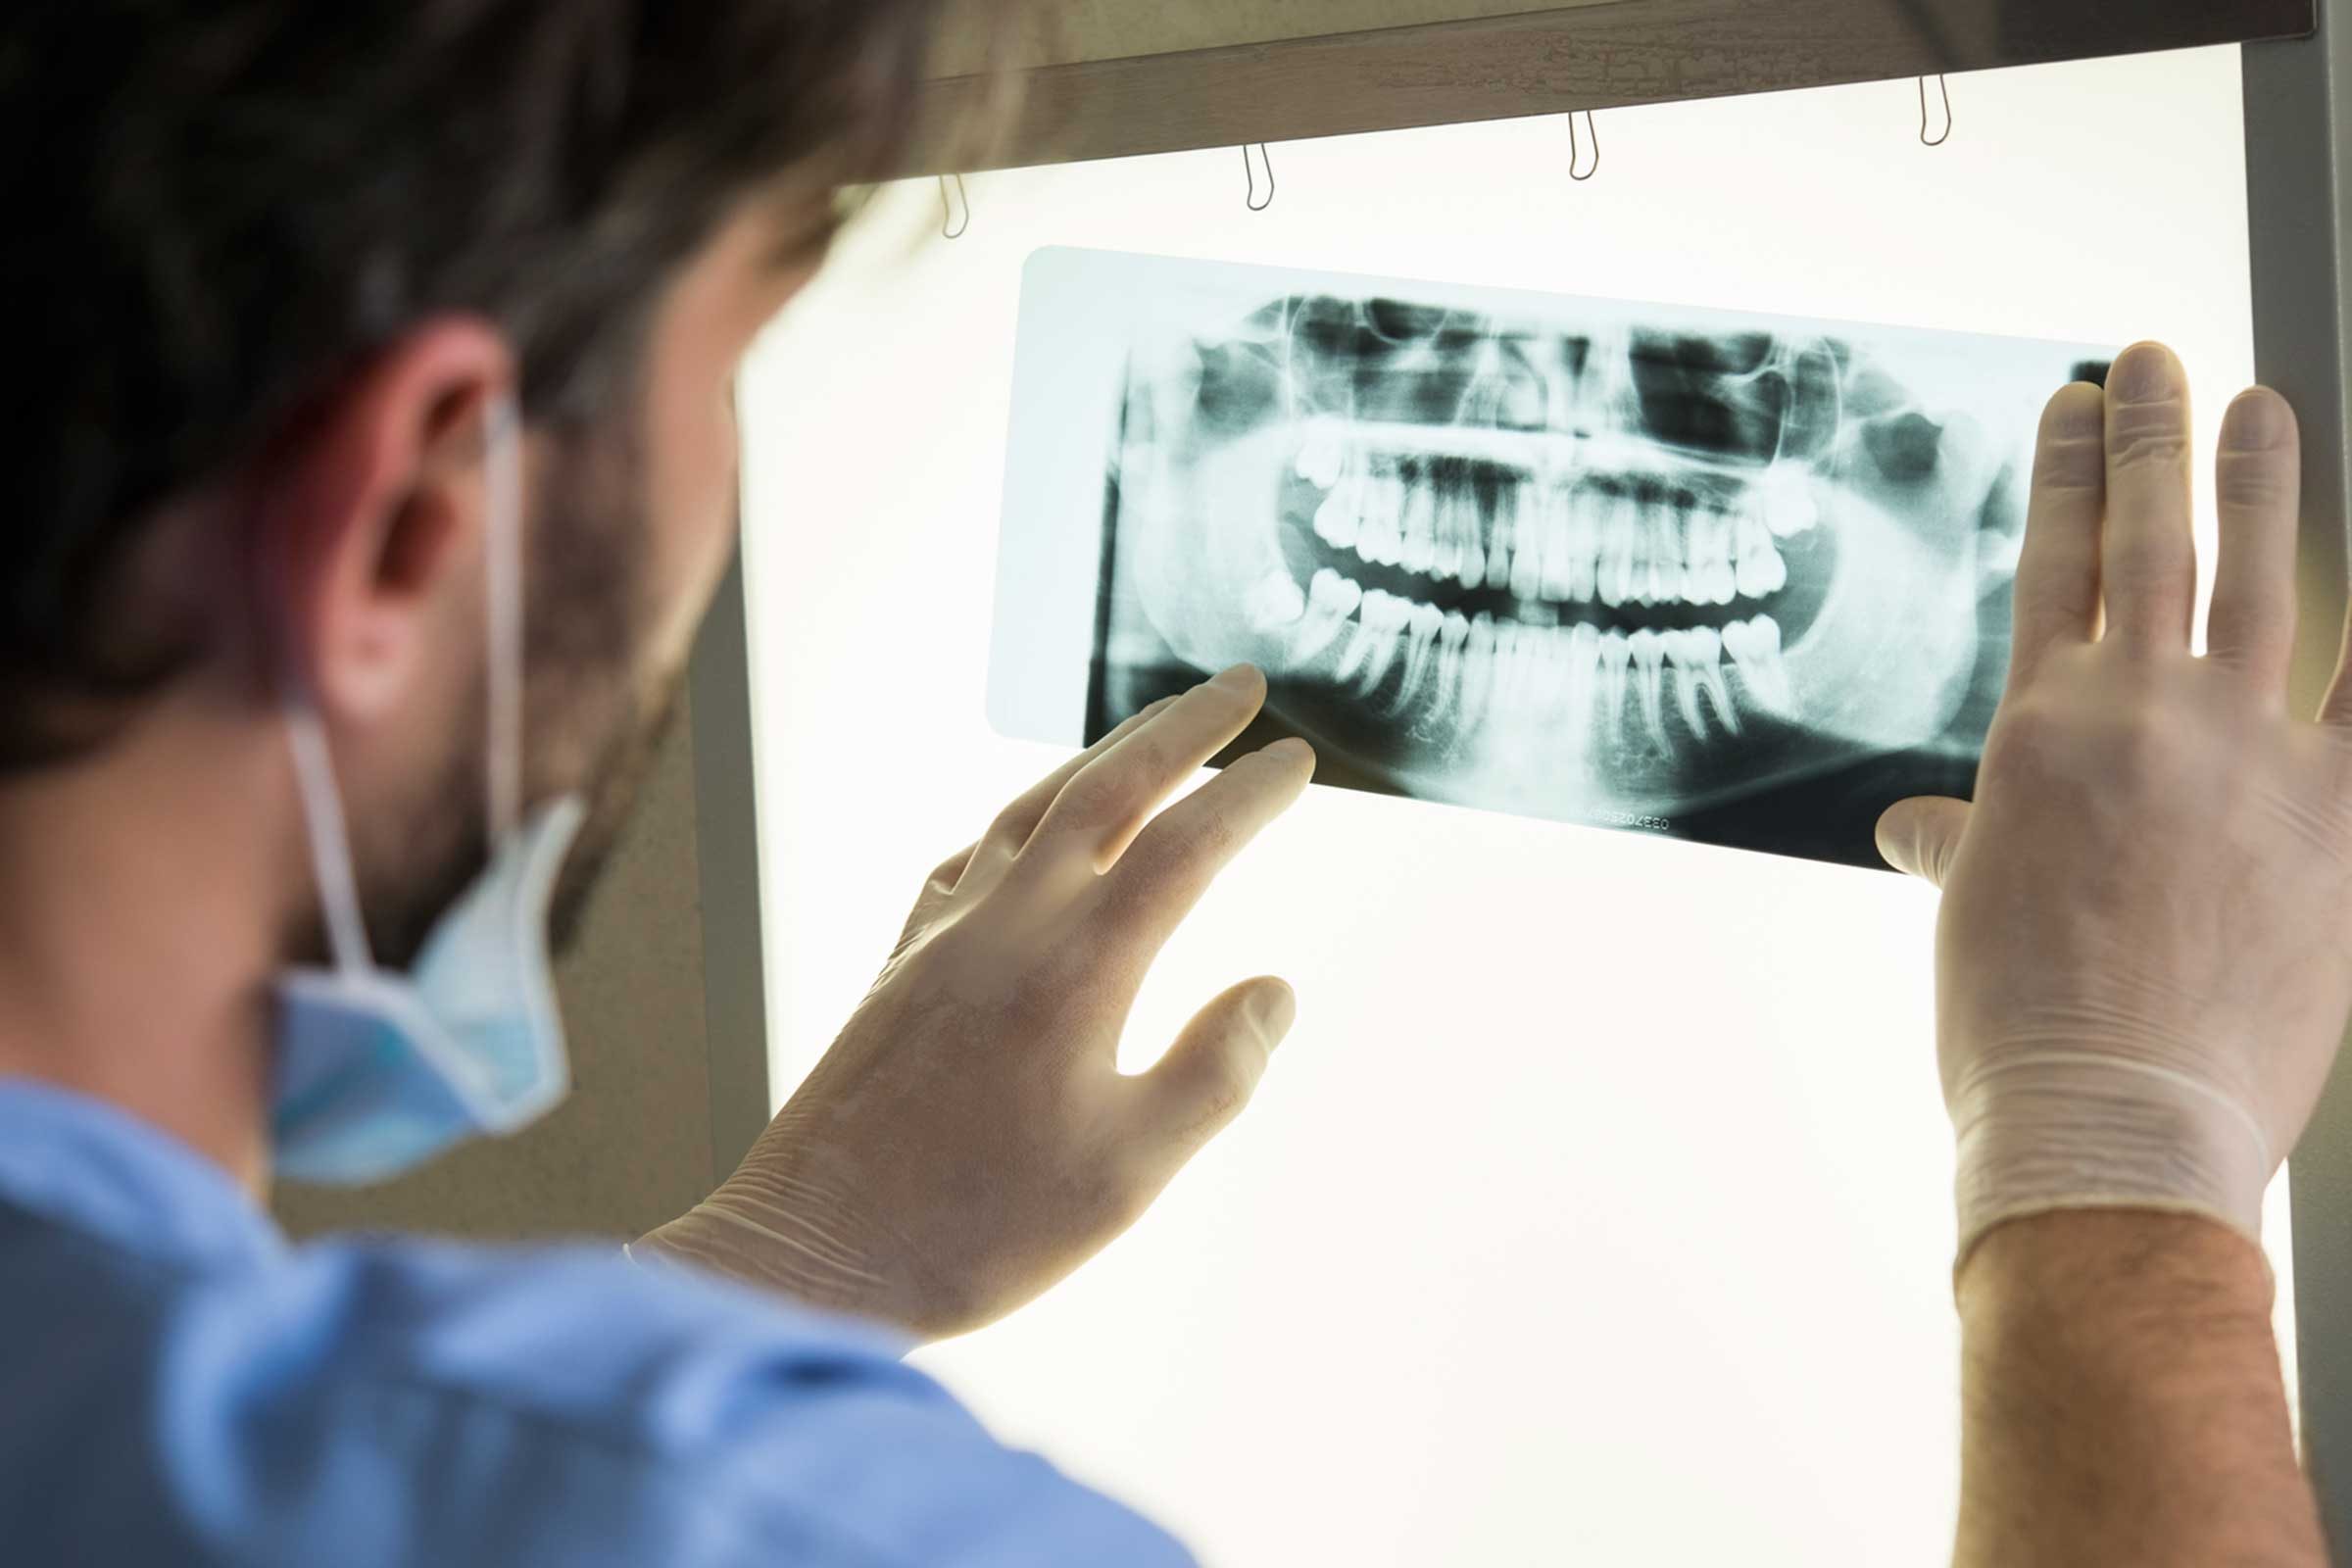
593, 722
612, 802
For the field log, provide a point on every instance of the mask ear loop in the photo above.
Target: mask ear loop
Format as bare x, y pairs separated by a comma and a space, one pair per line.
322, 801
313, 762
502, 464
322, 816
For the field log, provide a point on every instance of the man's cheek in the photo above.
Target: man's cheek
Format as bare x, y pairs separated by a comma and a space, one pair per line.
701, 543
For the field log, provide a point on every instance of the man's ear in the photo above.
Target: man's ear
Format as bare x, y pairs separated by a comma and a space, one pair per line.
372, 509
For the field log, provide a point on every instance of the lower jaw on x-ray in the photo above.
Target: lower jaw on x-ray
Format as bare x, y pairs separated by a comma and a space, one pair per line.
1737, 580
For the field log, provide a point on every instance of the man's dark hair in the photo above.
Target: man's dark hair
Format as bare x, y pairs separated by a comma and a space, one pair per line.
220, 208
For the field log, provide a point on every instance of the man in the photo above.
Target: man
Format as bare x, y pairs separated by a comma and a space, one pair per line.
380, 465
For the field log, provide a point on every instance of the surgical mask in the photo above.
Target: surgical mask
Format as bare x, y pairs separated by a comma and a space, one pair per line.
378, 1071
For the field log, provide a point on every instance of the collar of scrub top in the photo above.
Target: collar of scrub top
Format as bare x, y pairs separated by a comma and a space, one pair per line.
83, 1164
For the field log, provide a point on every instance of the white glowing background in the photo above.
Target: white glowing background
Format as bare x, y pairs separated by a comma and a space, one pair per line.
1598, 1209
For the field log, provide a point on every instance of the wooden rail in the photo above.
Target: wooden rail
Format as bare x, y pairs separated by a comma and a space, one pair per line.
1548, 61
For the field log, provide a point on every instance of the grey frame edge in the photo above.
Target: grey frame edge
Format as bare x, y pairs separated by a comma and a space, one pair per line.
727, 853
2298, 161
1540, 62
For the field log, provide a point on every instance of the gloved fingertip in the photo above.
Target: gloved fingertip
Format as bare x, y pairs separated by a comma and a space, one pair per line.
1898, 836
1920, 836
2259, 420
1272, 1007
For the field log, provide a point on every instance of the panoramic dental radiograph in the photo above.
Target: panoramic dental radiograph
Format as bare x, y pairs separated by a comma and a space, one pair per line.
1734, 579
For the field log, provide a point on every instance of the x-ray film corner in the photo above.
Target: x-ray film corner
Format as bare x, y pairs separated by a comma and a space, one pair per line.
1737, 578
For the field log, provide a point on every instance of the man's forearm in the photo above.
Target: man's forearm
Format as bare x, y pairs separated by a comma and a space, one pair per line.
2123, 1403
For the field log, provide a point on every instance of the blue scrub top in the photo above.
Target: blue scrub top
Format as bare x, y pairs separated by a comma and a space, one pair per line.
180, 1385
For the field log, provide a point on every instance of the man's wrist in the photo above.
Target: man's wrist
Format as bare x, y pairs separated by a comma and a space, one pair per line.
2131, 1269
772, 1249
2122, 1399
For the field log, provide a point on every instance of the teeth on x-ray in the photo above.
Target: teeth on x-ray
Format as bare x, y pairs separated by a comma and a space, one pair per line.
1551, 547
1530, 533
1575, 566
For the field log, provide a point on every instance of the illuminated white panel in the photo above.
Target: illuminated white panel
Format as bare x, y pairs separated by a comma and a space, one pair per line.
1598, 1209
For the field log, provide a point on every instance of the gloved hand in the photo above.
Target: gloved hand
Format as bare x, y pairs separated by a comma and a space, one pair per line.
969, 1140
2142, 974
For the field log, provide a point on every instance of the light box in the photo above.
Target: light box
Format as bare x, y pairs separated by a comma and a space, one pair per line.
1597, 1208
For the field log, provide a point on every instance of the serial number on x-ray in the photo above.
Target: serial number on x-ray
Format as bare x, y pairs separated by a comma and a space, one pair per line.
1655, 825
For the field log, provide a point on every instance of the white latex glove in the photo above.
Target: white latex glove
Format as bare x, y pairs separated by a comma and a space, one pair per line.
968, 1139
2142, 974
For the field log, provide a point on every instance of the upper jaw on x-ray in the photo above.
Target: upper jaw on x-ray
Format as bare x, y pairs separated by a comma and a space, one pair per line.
1571, 573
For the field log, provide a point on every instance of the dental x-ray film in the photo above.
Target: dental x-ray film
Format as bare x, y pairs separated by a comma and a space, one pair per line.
1729, 578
